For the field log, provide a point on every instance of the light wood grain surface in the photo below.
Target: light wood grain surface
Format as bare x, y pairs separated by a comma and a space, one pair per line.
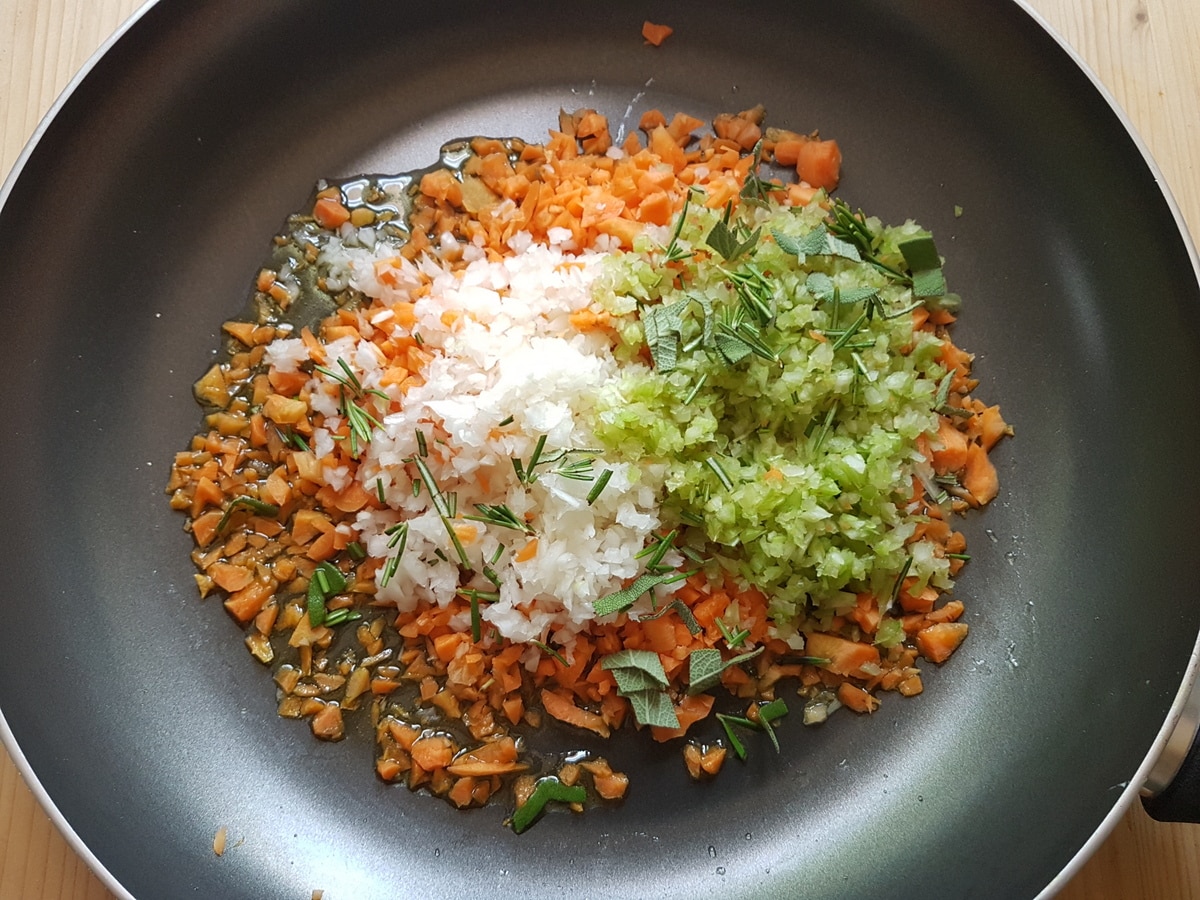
1146, 52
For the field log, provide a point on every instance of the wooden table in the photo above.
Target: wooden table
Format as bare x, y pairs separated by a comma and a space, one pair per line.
1147, 53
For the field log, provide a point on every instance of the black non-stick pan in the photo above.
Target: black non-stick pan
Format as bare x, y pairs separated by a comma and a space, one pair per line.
136, 224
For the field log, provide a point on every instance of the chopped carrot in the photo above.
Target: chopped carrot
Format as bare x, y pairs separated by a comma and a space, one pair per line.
979, 476
937, 642
690, 710
952, 455
950, 612
651, 119
230, 577
856, 698
819, 163
656, 34
711, 608
562, 707
243, 331
207, 493
484, 768
327, 724
330, 213
922, 601
866, 613
248, 602
787, 152
992, 427
462, 794
845, 657
660, 633
682, 126
433, 752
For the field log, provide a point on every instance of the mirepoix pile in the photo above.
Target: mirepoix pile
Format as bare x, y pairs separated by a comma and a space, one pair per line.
647, 434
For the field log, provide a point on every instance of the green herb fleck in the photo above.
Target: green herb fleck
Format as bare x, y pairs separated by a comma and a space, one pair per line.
260, 507
705, 667
501, 516
599, 485
326, 581
621, 600
547, 790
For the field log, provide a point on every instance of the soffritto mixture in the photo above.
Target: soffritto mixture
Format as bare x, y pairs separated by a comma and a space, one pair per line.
626, 435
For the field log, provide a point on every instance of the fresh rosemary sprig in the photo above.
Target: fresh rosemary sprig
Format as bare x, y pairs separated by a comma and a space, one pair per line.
501, 516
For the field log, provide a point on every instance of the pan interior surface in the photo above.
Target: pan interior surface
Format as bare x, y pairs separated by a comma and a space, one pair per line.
136, 227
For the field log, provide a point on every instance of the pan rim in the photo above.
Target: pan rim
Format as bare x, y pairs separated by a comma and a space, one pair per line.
1192, 671
1133, 788
23, 766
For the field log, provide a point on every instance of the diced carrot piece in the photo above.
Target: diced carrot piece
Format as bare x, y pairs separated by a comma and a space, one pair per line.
711, 608
787, 152
820, 164
352, 498
287, 384
403, 734
285, 410
265, 620
330, 213
389, 769
308, 524
446, 645
614, 708
681, 127
247, 603
663, 145
690, 710
466, 532
992, 427
207, 493
953, 357
920, 602
327, 724
479, 768
381, 686
528, 552
243, 331
229, 577
856, 698
953, 453
611, 785
204, 527
712, 759
937, 642
514, 708
440, 184
845, 657
657, 209
651, 119
660, 634
655, 34
562, 707
866, 613
431, 752
979, 475
593, 125
324, 547
462, 794
950, 612
625, 230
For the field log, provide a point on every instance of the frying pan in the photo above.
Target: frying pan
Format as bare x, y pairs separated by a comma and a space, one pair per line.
136, 224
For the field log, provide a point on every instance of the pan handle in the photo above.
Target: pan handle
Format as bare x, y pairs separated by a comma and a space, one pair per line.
1172, 789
